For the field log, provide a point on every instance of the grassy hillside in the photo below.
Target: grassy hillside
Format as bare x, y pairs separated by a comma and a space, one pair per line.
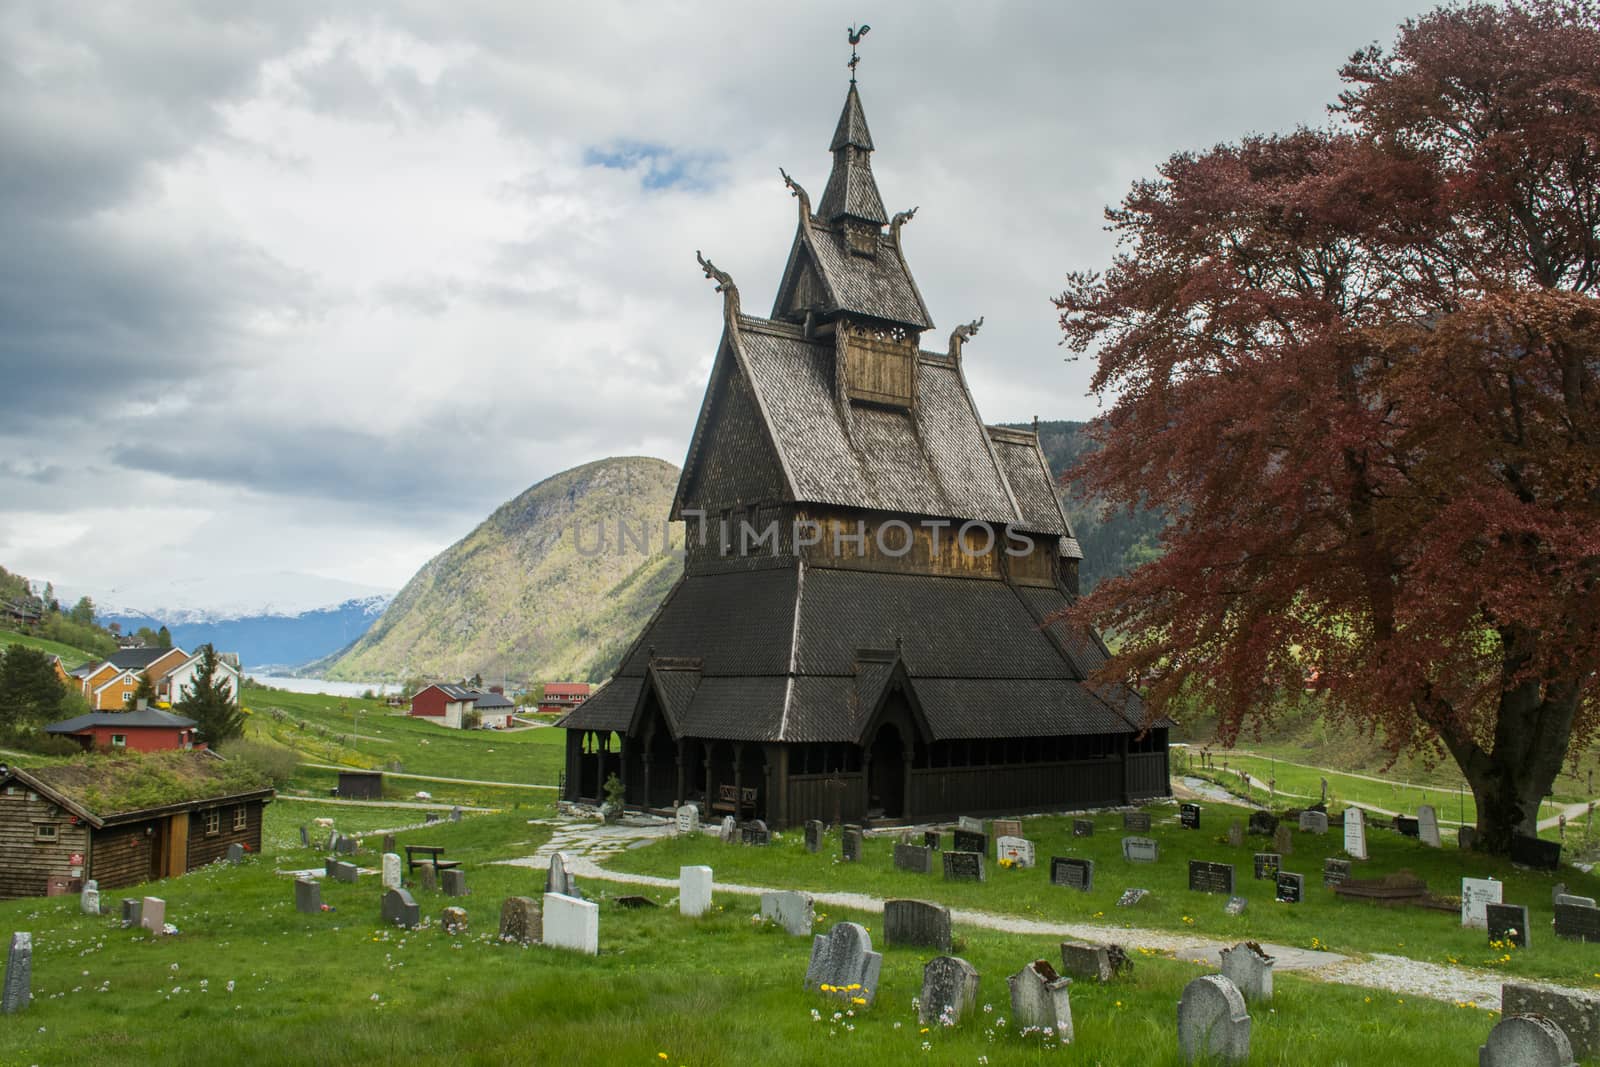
71, 657
521, 597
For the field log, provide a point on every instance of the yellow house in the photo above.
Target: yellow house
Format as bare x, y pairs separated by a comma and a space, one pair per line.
62, 675
109, 684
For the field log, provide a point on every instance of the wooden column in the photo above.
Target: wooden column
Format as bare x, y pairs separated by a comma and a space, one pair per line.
738, 781
905, 802
678, 761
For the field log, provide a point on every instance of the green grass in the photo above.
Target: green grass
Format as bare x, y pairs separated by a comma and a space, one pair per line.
339, 988
1323, 920
70, 657
315, 782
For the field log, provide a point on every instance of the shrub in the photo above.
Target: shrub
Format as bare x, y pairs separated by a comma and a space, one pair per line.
274, 762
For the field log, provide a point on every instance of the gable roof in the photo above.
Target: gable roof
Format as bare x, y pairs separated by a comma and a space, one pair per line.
149, 717
103, 790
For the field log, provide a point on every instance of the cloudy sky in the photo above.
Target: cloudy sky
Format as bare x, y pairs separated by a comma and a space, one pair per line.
311, 288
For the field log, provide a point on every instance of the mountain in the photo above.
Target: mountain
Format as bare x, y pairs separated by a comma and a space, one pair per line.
1113, 541
266, 640
226, 595
542, 590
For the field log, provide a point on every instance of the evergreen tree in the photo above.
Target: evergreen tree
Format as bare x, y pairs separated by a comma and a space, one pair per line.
145, 691
209, 701
163, 638
30, 693
82, 612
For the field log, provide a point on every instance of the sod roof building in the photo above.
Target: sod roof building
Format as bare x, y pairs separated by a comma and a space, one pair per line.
863, 628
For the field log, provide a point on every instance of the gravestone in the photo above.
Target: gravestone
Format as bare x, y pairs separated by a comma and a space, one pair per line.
521, 922
915, 858
969, 841
850, 844
963, 866
1577, 922
694, 891
388, 843
344, 872
1189, 816
1019, 850
236, 854
18, 991
571, 923
916, 922
1208, 877
1136, 822
1335, 872
308, 896
454, 882
1406, 826
1507, 922
305, 838
333, 841
1428, 825
455, 814
1467, 837
1313, 822
1213, 1021
391, 871
1283, 840
130, 911
729, 831
1039, 998
1263, 823
688, 819
814, 831
1476, 895
346, 846
153, 915
1249, 969
1355, 833
453, 920
1568, 898
558, 880
1236, 905
969, 824
1072, 872
1005, 828
431, 816
1266, 865
1236, 834
1082, 827
1577, 1015
1291, 888
843, 960
429, 878
1084, 959
949, 991
400, 910
932, 839
1132, 896
1526, 1041
795, 912
1141, 849
89, 898
755, 832
1535, 852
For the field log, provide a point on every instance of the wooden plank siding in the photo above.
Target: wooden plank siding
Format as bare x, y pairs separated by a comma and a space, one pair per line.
1010, 788
123, 855
206, 847
25, 862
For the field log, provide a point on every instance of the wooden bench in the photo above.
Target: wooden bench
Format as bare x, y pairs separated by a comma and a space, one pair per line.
434, 851
733, 801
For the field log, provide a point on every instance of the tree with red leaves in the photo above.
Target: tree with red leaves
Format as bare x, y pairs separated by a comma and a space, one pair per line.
1360, 368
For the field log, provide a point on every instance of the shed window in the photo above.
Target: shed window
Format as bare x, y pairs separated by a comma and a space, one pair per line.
119, 740
44, 831
240, 819
213, 822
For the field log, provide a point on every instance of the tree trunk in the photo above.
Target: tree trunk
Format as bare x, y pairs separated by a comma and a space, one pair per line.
1532, 731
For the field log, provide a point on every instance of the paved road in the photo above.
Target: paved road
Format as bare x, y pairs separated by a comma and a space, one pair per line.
431, 777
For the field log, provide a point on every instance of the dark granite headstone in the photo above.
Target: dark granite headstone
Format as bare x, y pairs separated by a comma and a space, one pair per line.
521, 921
932, 839
963, 866
813, 835
236, 853
1189, 816
344, 872
1576, 1014
346, 846
1335, 872
1208, 877
1072, 872
455, 814
1082, 827
1508, 922
1136, 822
1408, 826
1236, 834
1084, 959
453, 881
1291, 887
850, 844
1467, 837
307, 896
916, 922
305, 838
428, 877
1575, 922
843, 960
1267, 864
18, 991
1536, 853
967, 841
132, 911
1264, 823
400, 910
915, 858
755, 832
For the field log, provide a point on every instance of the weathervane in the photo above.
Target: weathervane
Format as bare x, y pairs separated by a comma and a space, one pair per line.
855, 39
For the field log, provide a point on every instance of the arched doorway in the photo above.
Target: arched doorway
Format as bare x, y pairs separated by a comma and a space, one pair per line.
886, 779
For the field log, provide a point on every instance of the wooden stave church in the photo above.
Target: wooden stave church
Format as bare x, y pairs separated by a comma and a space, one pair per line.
866, 660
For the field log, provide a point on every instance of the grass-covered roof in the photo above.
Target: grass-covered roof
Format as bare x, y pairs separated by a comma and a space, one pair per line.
109, 786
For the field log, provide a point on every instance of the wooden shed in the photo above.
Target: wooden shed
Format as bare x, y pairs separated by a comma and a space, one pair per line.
123, 820
361, 785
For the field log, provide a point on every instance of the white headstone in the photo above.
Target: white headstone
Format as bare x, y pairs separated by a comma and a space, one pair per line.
969, 824
1019, 850
89, 899
572, 924
1355, 833
153, 915
688, 819
1213, 1023
1476, 896
730, 830
793, 911
1428, 826
391, 870
694, 891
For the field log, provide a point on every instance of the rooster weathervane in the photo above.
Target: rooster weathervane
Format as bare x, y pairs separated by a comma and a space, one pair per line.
855, 39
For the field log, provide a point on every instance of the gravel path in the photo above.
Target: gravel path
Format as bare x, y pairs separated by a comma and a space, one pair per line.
586, 845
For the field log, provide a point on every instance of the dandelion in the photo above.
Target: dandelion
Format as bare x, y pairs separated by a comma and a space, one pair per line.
661, 1055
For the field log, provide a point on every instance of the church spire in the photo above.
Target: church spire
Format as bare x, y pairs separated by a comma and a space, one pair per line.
852, 192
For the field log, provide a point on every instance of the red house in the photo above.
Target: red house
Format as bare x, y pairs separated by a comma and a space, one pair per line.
146, 730
563, 696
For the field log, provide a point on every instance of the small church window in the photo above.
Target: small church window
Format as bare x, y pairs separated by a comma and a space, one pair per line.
240, 818
213, 821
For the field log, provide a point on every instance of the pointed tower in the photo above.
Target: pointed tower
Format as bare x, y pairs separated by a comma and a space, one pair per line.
860, 629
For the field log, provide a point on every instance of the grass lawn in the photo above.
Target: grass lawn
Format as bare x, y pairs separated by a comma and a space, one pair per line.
248, 980
1323, 920
316, 782
368, 733
70, 657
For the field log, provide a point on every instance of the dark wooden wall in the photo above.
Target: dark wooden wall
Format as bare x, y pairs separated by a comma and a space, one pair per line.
207, 848
120, 855
26, 864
